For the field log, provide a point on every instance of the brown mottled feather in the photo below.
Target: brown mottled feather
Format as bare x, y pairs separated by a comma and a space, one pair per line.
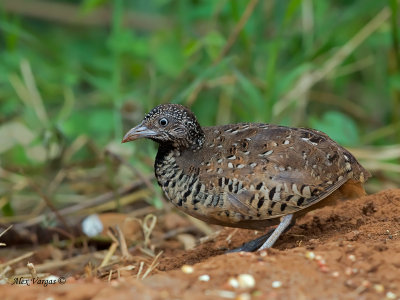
281, 170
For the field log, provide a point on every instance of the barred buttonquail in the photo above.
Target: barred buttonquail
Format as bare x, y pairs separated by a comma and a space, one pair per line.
246, 175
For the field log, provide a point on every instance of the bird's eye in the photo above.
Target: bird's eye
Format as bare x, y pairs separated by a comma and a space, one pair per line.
163, 122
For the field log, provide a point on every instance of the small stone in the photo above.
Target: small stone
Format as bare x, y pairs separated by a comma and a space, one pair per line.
379, 288
225, 294
233, 282
204, 277
324, 269
276, 284
243, 296
365, 283
335, 274
391, 295
246, 281
351, 257
92, 225
263, 253
310, 255
187, 269
348, 271
349, 283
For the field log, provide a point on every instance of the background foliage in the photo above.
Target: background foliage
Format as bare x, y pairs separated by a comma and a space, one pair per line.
75, 75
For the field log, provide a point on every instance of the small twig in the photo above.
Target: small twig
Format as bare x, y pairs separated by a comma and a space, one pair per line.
54, 264
147, 252
110, 233
5, 271
238, 28
108, 255
34, 97
110, 275
82, 205
2, 233
228, 238
32, 270
148, 228
7, 229
140, 269
153, 265
210, 237
17, 259
122, 244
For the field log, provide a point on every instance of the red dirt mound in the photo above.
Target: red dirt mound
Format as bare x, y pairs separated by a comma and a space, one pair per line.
350, 251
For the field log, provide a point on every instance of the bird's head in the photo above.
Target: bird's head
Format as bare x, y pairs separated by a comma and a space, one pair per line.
171, 124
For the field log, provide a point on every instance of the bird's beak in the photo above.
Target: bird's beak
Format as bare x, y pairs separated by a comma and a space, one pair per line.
140, 131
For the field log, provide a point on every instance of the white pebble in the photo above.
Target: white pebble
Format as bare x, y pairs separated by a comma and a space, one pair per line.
243, 296
352, 257
92, 225
246, 281
187, 269
310, 255
233, 282
276, 284
391, 295
204, 277
379, 288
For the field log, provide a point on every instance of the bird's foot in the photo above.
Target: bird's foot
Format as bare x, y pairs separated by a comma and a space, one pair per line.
253, 245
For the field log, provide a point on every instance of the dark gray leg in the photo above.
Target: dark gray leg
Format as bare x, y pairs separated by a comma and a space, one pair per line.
259, 242
282, 227
254, 244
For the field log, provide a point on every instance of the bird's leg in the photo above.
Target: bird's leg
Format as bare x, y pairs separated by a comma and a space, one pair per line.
282, 227
253, 245
258, 243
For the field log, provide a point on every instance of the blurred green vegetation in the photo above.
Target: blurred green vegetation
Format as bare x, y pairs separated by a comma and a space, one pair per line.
75, 75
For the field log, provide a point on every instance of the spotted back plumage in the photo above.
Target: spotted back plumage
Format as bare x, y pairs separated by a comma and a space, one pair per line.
248, 175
